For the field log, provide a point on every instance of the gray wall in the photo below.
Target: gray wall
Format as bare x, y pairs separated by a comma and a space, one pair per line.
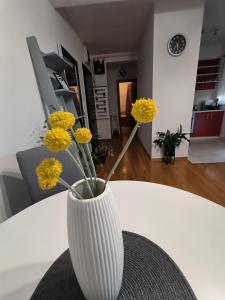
145, 79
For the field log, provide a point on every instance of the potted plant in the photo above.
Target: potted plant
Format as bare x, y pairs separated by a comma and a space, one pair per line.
94, 232
99, 151
168, 141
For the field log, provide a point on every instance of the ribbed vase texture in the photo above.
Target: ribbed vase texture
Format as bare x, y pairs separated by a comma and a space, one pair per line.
96, 245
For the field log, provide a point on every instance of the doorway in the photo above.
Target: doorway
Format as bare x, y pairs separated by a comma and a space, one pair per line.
127, 94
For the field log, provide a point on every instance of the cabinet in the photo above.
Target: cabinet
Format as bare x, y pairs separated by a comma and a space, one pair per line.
208, 74
45, 66
207, 123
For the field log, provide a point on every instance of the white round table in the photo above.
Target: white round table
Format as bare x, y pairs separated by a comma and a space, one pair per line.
189, 228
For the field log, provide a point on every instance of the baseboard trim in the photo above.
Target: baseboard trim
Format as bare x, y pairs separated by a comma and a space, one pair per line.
176, 158
204, 138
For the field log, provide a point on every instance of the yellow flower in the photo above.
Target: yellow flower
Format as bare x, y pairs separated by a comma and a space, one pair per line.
62, 119
83, 135
48, 172
57, 140
47, 184
144, 110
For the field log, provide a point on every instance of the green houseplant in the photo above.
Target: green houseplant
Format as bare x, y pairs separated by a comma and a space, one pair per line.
168, 141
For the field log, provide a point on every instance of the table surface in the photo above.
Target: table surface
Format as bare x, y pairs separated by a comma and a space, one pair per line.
189, 228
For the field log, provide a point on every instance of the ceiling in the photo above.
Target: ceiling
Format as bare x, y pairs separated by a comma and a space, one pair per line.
115, 26
67, 3
109, 26
214, 18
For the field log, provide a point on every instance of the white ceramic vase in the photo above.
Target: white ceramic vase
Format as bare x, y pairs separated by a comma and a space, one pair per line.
95, 243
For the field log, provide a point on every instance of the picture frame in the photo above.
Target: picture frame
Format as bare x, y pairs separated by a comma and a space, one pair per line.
61, 81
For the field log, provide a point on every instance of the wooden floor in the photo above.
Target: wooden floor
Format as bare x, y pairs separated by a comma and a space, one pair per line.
206, 180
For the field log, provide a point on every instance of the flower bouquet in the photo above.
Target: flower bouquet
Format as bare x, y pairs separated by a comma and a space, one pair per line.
94, 233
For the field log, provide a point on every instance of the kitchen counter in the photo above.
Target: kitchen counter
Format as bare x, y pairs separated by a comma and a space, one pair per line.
207, 110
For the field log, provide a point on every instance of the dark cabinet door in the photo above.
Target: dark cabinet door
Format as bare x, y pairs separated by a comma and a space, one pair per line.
200, 124
207, 124
214, 123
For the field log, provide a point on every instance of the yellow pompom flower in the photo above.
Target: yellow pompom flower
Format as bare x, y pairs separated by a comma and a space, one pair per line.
144, 110
57, 140
62, 119
46, 184
82, 135
48, 172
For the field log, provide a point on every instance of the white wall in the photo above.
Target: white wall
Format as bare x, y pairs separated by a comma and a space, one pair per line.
174, 77
21, 113
145, 78
22, 18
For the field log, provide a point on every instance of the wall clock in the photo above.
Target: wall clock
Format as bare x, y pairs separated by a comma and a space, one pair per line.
176, 44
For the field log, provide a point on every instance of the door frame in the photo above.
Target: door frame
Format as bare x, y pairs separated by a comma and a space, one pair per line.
92, 121
118, 95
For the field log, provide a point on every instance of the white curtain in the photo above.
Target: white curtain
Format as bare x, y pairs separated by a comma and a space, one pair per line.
221, 86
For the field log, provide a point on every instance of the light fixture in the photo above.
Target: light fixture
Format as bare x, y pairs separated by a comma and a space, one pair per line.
99, 66
122, 72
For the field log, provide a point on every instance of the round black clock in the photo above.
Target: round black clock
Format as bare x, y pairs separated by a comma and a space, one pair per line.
176, 44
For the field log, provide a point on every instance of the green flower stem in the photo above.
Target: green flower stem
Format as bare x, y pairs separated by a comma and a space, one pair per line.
123, 152
64, 183
88, 152
87, 166
77, 155
76, 163
81, 171
90, 160
74, 149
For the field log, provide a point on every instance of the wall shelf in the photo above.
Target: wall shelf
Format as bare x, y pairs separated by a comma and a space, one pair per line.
208, 74
44, 65
64, 92
56, 63
80, 117
212, 66
212, 81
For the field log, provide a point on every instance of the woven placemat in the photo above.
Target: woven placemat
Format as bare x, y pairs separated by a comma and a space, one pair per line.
149, 273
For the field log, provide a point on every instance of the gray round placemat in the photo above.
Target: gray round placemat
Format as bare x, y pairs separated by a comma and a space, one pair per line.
149, 273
